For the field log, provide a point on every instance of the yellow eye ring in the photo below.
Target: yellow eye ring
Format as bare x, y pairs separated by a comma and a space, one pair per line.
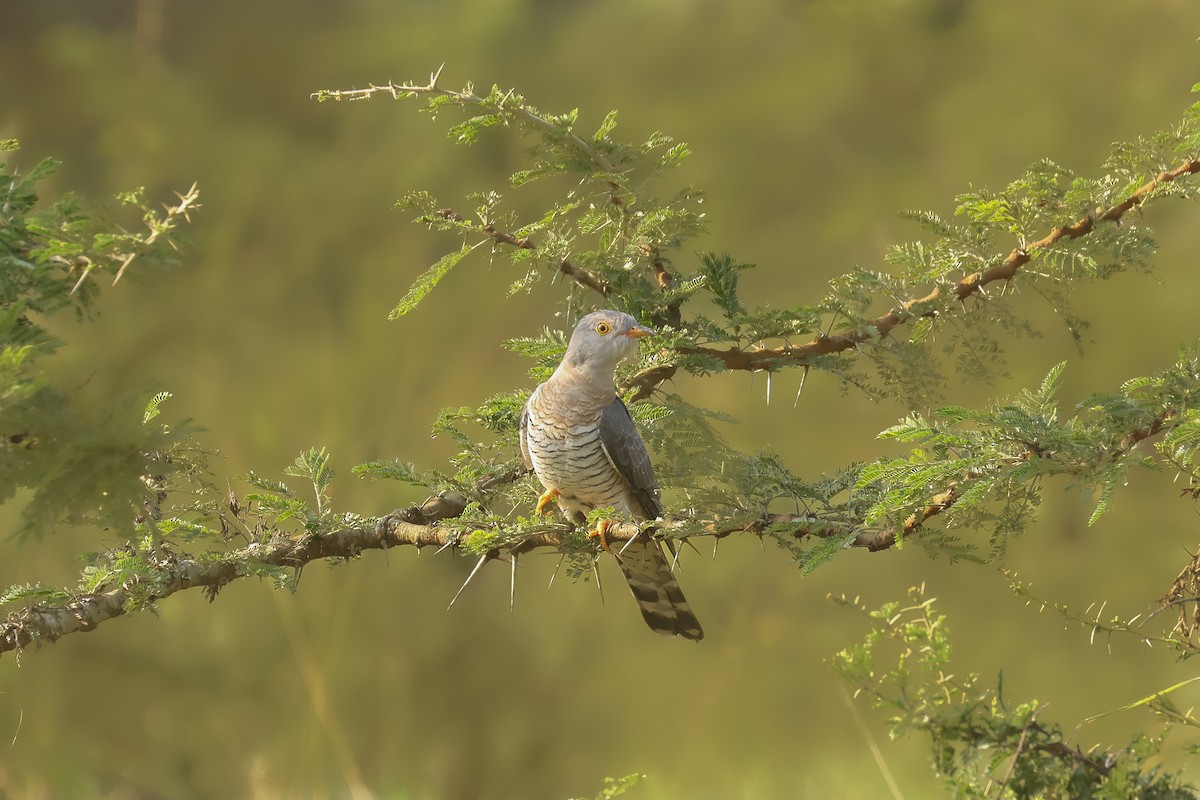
603, 328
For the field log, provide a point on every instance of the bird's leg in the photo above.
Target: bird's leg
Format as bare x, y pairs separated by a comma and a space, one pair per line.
601, 533
546, 499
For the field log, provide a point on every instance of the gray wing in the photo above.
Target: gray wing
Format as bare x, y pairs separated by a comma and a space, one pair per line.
627, 452
524, 433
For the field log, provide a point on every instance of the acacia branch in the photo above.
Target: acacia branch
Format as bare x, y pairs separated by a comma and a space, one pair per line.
763, 358
511, 105
1064, 751
583, 277
406, 527
422, 526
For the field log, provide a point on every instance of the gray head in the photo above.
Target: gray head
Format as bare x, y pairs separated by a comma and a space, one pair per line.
603, 338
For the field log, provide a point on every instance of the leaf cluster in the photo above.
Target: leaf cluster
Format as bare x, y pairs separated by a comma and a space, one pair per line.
617, 236
614, 237
982, 744
611, 235
995, 461
98, 467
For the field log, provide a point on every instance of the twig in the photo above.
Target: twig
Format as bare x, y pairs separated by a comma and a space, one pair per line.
48, 623
580, 275
187, 202
509, 105
761, 358
419, 526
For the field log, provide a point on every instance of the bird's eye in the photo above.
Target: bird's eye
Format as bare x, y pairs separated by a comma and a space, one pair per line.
603, 328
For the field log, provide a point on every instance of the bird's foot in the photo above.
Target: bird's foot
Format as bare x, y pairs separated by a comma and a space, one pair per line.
546, 499
601, 533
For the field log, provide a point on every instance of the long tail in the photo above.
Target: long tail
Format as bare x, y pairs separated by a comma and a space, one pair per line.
656, 591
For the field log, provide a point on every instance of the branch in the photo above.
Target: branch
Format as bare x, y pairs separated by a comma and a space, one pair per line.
158, 227
419, 526
765, 358
414, 526
581, 276
511, 105
1071, 754
84, 613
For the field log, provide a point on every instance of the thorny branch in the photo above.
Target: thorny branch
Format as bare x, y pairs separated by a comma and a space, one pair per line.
764, 358
416, 526
760, 358
187, 203
419, 526
736, 358
581, 276
510, 105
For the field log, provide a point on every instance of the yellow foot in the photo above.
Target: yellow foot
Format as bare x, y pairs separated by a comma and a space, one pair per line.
549, 497
601, 533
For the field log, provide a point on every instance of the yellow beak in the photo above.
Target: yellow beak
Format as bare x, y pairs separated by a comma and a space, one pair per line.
638, 331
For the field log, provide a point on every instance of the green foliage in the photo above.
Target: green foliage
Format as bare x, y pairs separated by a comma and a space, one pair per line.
615, 787
546, 351
994, 463
1175, 624
135, 572
621, 236
609, 233
396, 471
32, 593
982, 745
973, 470
429, 279
81, 466
965, 471
605, 223
279, 503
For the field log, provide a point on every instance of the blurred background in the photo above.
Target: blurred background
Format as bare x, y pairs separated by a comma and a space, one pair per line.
812, 124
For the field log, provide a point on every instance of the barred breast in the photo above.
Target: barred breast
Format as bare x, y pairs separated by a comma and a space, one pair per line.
567, 455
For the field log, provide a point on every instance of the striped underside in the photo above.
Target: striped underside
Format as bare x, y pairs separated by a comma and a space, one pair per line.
569, 456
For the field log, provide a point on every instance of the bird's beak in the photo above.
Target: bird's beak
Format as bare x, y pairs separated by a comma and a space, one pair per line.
638, 331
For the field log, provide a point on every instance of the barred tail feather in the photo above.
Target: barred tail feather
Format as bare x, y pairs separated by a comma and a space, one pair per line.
656, 591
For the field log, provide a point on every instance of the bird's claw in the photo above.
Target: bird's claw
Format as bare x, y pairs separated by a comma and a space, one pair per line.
601, 533
546, 499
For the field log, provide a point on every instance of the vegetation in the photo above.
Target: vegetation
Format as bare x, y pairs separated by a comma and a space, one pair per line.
616, 233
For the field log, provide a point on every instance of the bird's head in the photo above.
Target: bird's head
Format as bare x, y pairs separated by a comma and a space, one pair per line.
603, 338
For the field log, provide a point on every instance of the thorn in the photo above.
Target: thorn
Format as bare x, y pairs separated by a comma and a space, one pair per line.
453, 540
631, 540
433, 77
692, 545
512, 584
675, 559
803, 378
768, 387
78, 283
483, 559
557, 567
716, 543
121, 270
599, 585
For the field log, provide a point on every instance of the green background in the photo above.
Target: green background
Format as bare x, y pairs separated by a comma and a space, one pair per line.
812, 124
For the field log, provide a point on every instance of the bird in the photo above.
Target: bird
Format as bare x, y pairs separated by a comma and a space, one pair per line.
580, 441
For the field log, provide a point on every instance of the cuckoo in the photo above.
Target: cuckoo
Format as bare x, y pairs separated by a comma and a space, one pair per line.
578, 438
